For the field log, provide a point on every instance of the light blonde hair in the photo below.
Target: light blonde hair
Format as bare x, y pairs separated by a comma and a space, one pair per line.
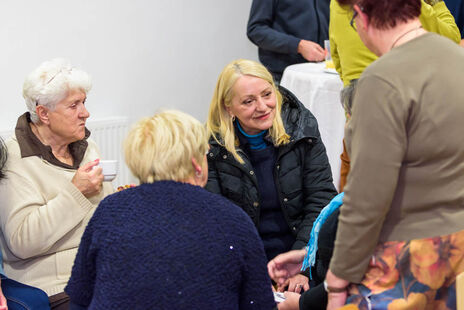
220, 124
162, 147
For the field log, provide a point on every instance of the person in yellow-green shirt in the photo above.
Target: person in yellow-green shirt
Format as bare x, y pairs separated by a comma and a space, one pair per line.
350, 56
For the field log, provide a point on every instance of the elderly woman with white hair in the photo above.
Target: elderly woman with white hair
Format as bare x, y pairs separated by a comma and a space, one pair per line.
169, 243
52, 188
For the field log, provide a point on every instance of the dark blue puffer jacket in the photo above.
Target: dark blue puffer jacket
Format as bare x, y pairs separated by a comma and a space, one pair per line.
302, 171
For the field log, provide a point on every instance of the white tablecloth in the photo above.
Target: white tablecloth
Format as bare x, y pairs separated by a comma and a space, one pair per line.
319, 91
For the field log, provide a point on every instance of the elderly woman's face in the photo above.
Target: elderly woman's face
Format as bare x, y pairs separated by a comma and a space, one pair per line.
253, 104
67, 121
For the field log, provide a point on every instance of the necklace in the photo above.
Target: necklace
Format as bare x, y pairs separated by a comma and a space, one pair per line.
401, 36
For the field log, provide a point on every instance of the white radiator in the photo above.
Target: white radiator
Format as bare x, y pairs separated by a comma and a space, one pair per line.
108, 134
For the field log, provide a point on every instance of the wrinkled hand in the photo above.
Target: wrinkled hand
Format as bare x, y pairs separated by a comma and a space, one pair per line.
286, 265
311, 51
88, 179
292, 302
295, 284
336, 300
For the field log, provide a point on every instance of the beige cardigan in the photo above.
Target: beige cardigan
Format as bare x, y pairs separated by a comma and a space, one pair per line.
43, 216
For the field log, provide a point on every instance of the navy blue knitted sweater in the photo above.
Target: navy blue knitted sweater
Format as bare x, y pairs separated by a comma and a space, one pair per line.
170, 245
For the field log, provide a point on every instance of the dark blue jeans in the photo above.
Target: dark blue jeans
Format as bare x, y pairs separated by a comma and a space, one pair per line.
23, 297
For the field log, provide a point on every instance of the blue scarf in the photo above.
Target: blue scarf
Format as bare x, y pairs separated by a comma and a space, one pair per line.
256, 141
310, 258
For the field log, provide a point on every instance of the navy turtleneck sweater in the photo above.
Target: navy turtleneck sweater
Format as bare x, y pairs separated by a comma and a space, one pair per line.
273, 228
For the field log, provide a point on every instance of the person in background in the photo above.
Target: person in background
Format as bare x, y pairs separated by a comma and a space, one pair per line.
53, 182
168, 243
288, 32
456, 8
267, 157
400, 234
351, 56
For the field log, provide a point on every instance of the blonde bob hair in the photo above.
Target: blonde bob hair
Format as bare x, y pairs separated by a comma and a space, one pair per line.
161, 147
220, 124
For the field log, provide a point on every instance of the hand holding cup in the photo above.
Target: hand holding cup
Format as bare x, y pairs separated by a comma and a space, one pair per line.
88, 178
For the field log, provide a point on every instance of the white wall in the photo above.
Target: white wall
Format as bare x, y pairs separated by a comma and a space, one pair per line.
143, 55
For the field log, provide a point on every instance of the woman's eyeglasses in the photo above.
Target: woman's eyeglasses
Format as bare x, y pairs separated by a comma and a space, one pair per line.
352, 23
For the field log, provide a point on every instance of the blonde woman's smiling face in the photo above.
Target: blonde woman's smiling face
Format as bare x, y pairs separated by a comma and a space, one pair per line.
253, 104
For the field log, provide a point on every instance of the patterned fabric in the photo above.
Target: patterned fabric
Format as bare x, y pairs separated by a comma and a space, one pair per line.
417, 274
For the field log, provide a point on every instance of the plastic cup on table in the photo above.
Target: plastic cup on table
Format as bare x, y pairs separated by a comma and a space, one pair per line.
328, 57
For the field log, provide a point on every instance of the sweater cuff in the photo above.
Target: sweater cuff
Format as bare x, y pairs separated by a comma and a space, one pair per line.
353, 274
83, 202
294, 45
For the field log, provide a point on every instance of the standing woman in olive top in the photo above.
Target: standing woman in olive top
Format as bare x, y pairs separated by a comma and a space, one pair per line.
400, 236
267, 157
52, 188
351, 56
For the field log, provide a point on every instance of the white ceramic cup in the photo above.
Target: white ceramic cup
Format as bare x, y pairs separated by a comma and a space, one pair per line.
109, 169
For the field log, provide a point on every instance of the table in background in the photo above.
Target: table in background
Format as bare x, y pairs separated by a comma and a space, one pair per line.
319, 91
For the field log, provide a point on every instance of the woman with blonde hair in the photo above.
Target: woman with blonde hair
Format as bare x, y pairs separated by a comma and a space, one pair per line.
267, 157
168, 243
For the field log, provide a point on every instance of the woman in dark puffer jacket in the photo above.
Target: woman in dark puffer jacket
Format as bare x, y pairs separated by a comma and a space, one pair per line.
267, 157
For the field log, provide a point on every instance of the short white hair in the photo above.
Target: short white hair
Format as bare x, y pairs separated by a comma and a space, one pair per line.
50, 83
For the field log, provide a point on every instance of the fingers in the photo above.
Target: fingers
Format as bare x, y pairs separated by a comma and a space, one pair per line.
96, 172
319, 53
306, 286
271, 268
281, 287
295, 286
276, 273
319, 49
298, 283
89, 166
292, 286
89, 178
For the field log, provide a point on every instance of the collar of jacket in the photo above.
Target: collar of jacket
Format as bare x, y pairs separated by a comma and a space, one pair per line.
30, 145
298, 121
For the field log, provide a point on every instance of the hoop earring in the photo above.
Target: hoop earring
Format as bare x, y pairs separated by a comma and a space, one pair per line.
198, 174
233, 118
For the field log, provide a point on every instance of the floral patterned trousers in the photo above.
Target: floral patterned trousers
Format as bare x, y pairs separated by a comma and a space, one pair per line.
416, 274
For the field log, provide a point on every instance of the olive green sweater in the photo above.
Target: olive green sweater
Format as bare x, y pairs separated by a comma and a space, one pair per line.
407, 157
